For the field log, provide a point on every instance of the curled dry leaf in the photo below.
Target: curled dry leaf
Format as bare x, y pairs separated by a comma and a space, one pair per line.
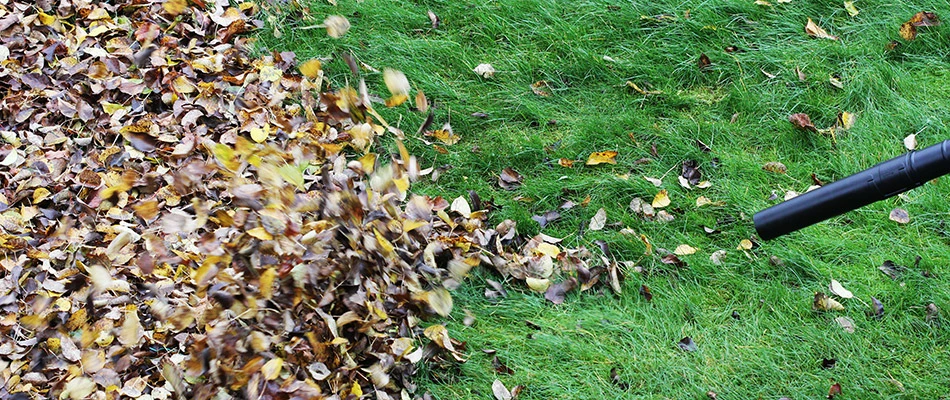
484, 70
899, 215
813, 30
541, 88
824, 303
802, 121
510, 179
877, 308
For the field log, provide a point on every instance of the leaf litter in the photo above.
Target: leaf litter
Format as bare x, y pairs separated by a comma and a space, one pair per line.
191, 221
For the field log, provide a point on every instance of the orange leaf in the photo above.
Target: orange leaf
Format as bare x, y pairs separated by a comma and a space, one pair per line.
566, 163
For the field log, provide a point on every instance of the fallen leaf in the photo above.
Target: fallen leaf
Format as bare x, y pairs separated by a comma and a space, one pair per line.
834, 390
640, 90
602, 157
398, 86
541, 88
598, 221
539, 285
891, 269
717, 256
645, 292
684, 249
673, 260
877, 308
813, 30
484, 70
500, 391
910, 142
662, 199
654, 181
801, 75
933, 312
336, 25
850, 8
565, 162
837, 289
802, 121
510, 179
924, 18
835, 81
824, 303
775, 167
845, 120
908, 31
271, 370
703, 62
556, 293
744, 244
687, 344
846, 323
311, 68
434, 19
899, 215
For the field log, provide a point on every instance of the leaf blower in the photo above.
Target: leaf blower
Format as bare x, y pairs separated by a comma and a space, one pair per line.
879, 182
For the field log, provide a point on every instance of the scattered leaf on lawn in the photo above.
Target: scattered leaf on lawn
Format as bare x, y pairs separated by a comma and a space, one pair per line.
662, 199
684, 249
337, 26
434, 19
850, 8
687, 344
398, 86
845, 120
546, 218
813, 30
933, 312
717, 256
924, 18
846, 323
891, 269
510, 179
690, 171
500, 391
422, 103
565, 162
703, 62
311, 68
801, 75
602, 157
835, 81
539, 285
640, 90
598, 221
837, 289
744, 244
445, 135
645, 292
500, 367
702, 146
899, 215
485, 70
834, 390
908, 31
673, 260
654, 181
828, 363
824, 303
910, 142
802, 121
775, 166
541, 88
556, 292
877, 308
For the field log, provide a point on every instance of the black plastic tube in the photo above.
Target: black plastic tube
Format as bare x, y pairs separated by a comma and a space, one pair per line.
879, 182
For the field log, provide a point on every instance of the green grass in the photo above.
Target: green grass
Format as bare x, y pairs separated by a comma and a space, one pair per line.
776, 346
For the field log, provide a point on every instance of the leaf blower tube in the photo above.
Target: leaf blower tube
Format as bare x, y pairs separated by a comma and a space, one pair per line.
879, 182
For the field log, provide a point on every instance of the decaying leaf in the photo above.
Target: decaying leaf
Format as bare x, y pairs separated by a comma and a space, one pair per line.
602, 157
646, 293
687, 344
834, 390
824, 303
556, 292
684, 249
541, 88
703, 62
598, 221
910, 142
846, 323
434, 19
845, 120
775, 167
500, 391
891, 269
877, 308
509, 179
337, 26
899, 215
802, 121
717, 256
850, 8
813, 30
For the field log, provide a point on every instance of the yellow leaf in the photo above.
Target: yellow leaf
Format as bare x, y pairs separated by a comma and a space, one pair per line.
225, 155
129, 336
396, 99
440, 300
845, 120
547, 249
181, 84
745, 244
267, 283
53, 344
396, 82
46, 19
40, 194
384, 244
851, 9
538, 285
908, 31
402, 184
272, 368
422, 104
260, 233
111, 108
259, 135
601, 157
824, 303
311, 68
565, 162
368, 163
292, 175
662, 199
702, 200
175, 7
336, 25
813, 30
357, 390
446, 135
409, 225
684, 249
270, 73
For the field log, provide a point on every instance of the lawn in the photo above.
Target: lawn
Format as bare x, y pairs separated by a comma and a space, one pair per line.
750, 316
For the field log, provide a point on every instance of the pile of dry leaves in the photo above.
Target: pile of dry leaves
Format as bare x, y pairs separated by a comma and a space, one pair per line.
181, 220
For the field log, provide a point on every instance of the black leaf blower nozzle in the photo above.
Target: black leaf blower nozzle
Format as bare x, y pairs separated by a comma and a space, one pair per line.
879, 182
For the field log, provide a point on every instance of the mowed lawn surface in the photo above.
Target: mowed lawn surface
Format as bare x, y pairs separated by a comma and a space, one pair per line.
755, 331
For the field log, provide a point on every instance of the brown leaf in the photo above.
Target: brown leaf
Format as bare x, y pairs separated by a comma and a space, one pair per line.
775, 167
645, 292
834, 390
802, 121
556, 292
924, 18
687, 344
824, 303
434, 19
899, 215
541, 88
813, 30
908, 31
703, 62
672, 259
510, 179
877, 308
